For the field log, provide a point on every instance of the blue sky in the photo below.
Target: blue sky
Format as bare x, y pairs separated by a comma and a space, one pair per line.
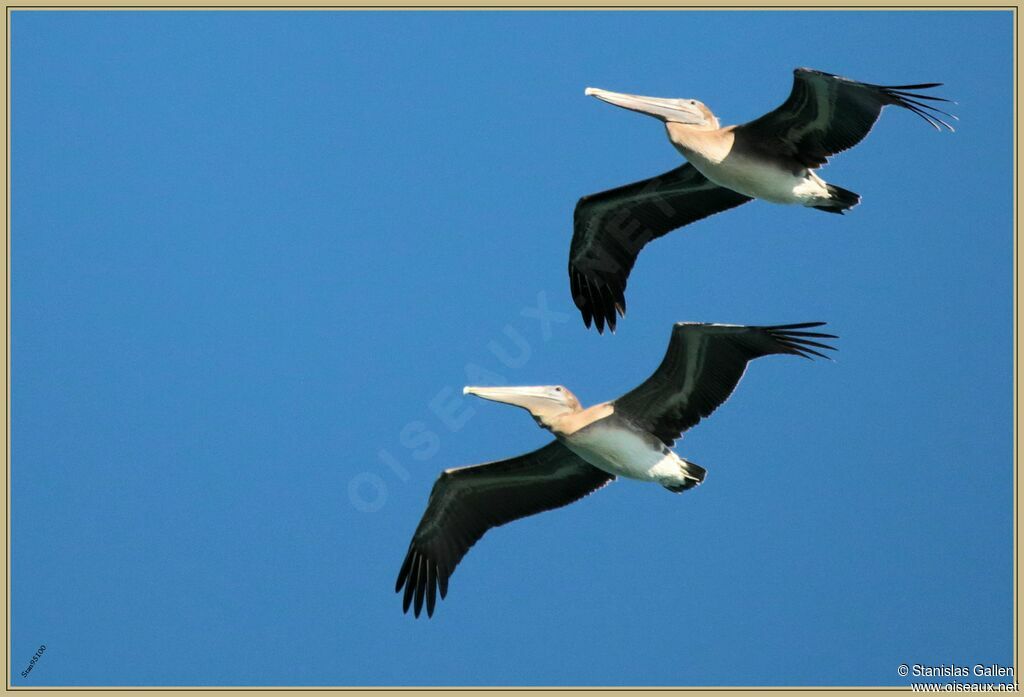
256, 256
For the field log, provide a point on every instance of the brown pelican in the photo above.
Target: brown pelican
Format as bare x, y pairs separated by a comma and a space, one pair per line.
629, 437
772, 158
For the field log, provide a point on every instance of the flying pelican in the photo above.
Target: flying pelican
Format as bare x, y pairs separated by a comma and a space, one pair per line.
629, 437
772, 158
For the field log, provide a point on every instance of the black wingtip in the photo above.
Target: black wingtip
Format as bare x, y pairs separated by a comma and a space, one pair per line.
421, 586
904, 96
800, 343
803, 351
820, 335
431, 588
808, 342
442, 582
800, 325
403, 572
600, 300
407, 598
422, 579
922, 86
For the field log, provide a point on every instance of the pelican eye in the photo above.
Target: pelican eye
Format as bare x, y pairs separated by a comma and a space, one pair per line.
558, 389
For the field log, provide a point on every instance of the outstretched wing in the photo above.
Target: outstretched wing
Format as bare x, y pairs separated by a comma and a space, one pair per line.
826, 114
610, 228
702, 367
467, 502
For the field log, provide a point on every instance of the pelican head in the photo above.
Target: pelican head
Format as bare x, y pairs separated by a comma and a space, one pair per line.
545, 402
685, 111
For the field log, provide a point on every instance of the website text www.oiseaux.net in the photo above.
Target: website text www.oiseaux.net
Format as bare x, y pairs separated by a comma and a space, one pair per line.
964, 687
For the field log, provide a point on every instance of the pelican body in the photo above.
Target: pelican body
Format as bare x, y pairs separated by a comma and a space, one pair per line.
629, 437
604, 439
773, 157
751, 173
